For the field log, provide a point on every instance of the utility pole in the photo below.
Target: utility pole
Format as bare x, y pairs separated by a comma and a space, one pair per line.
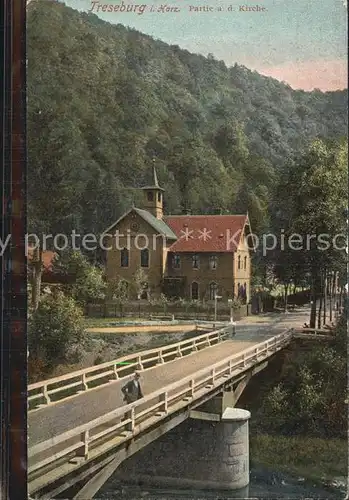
325, 298
336, 285
230, 302
215, 305
330, 292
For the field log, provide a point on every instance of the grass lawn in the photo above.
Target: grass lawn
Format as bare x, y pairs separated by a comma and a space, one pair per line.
312, 458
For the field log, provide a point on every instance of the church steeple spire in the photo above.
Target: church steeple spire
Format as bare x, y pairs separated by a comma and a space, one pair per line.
155, 177
153, 197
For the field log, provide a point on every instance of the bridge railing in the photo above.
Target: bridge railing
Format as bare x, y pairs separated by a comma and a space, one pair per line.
126, 422
59, 388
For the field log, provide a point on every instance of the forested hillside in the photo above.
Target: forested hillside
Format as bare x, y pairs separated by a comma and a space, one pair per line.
103, 100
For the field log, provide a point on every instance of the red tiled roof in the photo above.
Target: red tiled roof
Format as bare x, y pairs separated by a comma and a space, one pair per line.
206, 233
47, 258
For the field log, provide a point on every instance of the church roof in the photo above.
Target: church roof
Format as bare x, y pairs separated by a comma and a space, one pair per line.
206, 233
159, 225
196, 233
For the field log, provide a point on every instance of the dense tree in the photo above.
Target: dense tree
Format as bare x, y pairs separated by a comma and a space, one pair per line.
103, 100
88, 283
311, 205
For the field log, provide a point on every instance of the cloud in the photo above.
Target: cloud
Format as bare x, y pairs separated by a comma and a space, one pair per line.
324, 75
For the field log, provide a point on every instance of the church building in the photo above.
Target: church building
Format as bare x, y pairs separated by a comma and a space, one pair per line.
190, 256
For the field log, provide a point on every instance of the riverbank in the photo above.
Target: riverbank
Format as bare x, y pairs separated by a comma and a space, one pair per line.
321, 461
101, 347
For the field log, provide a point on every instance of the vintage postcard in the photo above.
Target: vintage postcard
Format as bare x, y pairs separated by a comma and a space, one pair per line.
187, 249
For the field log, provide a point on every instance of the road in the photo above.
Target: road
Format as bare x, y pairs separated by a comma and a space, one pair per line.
62, 416
269, 324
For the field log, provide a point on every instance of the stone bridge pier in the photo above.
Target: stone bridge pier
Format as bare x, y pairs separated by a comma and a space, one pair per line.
221, 446
209, 451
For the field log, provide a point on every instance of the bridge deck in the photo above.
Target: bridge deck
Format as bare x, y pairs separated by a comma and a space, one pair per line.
62, 416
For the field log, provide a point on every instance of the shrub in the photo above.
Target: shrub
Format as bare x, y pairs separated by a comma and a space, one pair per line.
98, 360
89, 284
55, 330
310, 397
36, 369
119, 290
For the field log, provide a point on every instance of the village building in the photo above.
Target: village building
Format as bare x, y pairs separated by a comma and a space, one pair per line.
190, 256
49, 275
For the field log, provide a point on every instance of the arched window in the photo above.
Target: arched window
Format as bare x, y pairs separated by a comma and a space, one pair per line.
213, 261
196, 261
239, 290
239, 262
213, 290
194, 290
145, 257
244, 292
245, 262
159, 197
150, 196
176, 261
124, 257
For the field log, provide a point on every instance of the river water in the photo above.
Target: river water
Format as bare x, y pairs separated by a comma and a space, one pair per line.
263, 484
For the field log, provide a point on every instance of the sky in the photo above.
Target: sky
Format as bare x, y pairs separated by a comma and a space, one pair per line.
301, 42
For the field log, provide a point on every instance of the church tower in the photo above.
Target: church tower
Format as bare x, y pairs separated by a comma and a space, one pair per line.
153, 197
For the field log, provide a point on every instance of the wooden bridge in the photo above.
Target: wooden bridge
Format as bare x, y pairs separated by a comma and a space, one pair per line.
80, 430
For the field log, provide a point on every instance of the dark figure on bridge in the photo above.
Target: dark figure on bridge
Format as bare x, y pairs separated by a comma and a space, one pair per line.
132, 390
